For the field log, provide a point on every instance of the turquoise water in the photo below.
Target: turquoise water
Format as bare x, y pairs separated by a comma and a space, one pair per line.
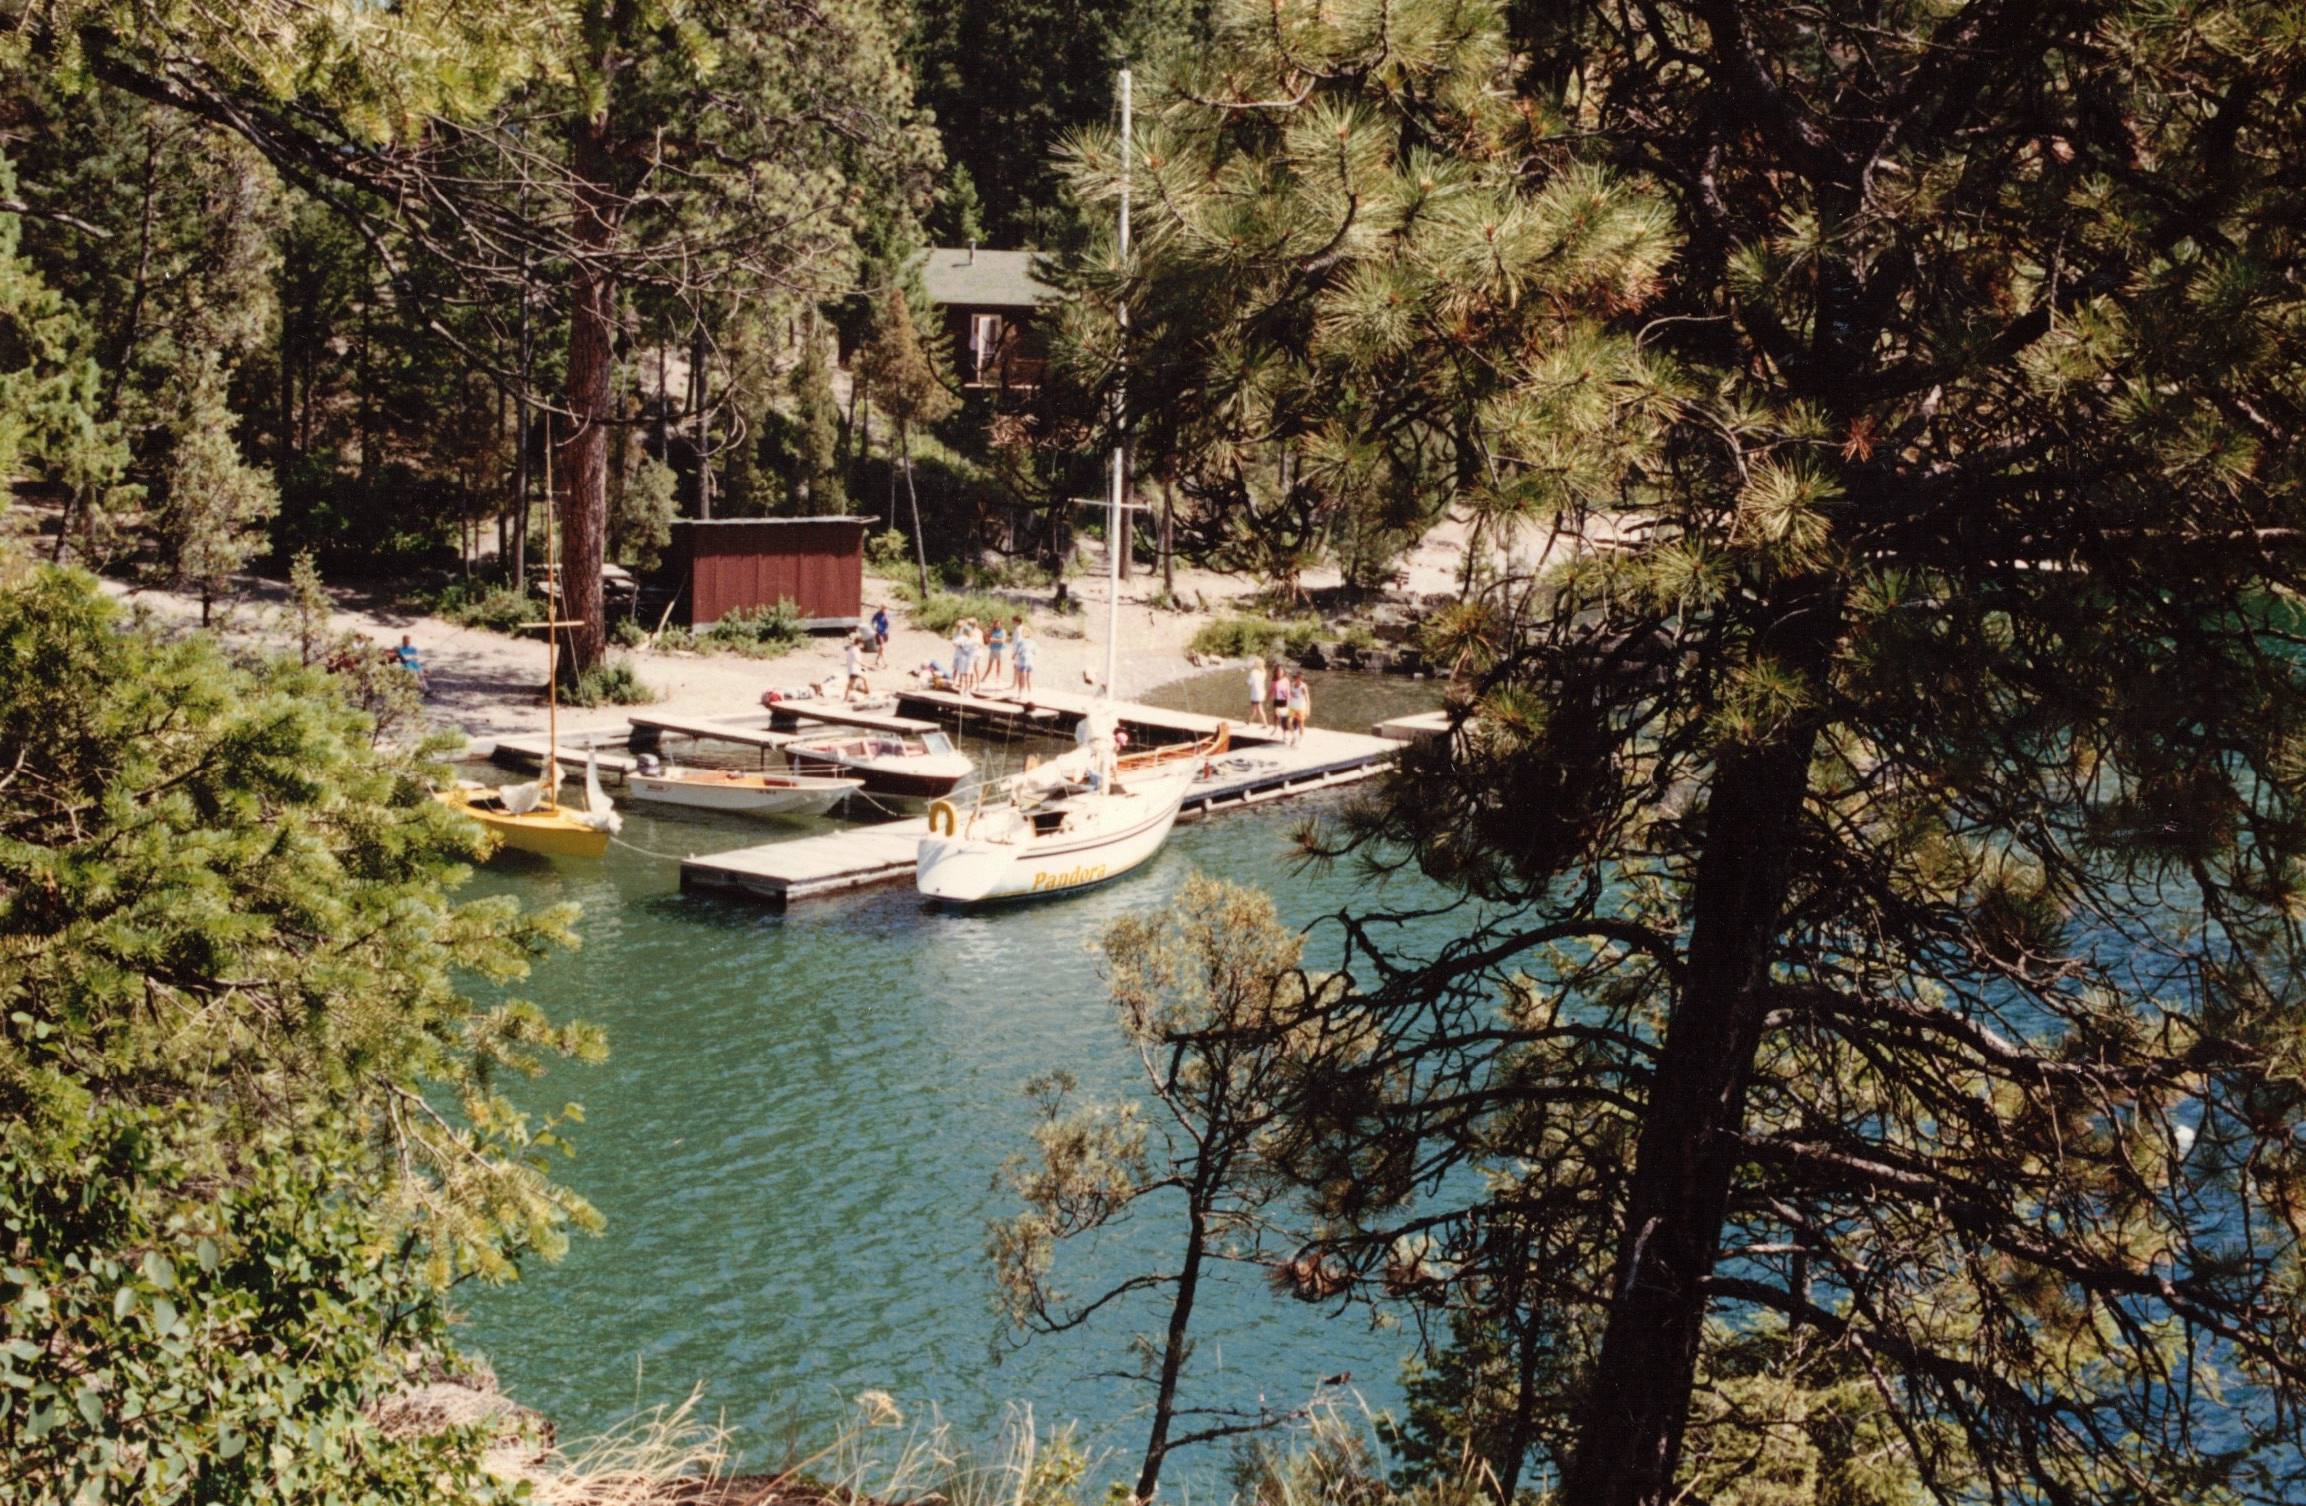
796, 1138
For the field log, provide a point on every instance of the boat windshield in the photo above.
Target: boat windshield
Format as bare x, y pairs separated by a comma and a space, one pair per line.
936, 742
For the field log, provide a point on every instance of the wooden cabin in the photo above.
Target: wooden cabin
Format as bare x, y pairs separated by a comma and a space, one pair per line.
719, 565
991, 304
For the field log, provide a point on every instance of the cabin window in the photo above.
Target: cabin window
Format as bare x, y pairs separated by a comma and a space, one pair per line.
936, 742
985, 335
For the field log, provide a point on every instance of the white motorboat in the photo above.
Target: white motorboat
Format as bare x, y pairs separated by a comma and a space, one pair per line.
927, 767
740, 791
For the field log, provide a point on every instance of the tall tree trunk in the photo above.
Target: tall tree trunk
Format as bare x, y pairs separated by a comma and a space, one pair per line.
591, 368
1630, 1427
1169, 538
523, 437
1176, 1342
700, 384
920, 546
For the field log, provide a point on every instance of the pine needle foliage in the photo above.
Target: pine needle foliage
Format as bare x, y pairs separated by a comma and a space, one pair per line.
1881, 839
1355, 250
249, 1128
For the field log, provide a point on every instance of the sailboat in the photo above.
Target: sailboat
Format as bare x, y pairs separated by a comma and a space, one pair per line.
530, 817
1085, 818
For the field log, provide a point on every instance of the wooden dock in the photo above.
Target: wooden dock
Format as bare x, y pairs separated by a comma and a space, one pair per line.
861, 857
1412, 729
528, 753
1055, 712
648, 731
785, 716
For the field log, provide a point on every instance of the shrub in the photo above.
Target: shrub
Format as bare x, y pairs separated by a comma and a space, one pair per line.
611, 684
626, 633
941, 611
888, 550
478, 603
756, 632
1241, 635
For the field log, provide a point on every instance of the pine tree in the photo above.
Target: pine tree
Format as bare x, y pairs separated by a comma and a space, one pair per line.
906, 385
52, 425
817, 488
232, 1199
213, 505
1882, 837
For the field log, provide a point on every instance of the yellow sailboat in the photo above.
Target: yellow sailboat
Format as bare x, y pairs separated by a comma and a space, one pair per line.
530, 817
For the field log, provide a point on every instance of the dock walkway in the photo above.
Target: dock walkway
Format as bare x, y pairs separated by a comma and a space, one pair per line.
1056, 712
861, 857
650, 730
785, 715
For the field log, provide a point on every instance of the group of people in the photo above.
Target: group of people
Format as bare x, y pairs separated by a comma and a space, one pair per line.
1280, 699
980, 650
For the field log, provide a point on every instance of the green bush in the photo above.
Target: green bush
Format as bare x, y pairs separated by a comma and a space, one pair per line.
941, 611
626, 633
1241, 636
478, 603
888, 550
234, 971
611, 684
756, 632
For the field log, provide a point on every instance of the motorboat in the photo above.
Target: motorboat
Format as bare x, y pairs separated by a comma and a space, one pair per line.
1078, 821
740, 791
923, 767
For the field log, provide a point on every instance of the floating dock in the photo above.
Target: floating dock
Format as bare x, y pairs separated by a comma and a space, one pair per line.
865, 856
1412, 729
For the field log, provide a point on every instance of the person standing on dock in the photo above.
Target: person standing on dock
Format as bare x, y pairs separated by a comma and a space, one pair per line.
964, 655
1022, 637
1257, 691
1300, 707
996, 644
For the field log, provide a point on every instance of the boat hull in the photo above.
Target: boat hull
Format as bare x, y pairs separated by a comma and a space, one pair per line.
964, 870
746, 795
552, 833
884, 777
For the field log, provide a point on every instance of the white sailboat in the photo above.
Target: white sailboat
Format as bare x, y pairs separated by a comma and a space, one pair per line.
1091, 815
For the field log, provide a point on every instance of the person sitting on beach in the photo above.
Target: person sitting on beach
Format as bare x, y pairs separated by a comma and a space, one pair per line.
1026, 652
409, 659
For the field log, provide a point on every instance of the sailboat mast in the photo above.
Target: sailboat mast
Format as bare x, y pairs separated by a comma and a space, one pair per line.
551, 638
1116, 539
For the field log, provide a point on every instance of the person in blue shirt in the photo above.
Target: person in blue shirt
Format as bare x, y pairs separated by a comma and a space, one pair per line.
409, 659
881, 635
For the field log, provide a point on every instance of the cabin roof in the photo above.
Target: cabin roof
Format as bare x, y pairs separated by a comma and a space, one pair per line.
974, 277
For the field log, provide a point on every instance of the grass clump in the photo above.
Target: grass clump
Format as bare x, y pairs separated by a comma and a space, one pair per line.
1244, 635
941, 611
756, 632
609, 684
477, 603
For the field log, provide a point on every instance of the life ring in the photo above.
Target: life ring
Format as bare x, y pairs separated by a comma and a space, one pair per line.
944, 818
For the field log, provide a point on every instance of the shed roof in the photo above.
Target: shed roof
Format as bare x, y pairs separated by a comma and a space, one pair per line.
972, 277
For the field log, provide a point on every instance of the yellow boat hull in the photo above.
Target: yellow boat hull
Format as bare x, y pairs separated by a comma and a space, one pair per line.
552, 832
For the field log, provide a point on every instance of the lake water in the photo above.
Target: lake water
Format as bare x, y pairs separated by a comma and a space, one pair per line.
796, 1138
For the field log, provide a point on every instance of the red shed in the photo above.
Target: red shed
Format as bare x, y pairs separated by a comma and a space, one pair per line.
818, 564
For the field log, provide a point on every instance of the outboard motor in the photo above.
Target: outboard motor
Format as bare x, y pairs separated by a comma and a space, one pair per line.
648, 763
